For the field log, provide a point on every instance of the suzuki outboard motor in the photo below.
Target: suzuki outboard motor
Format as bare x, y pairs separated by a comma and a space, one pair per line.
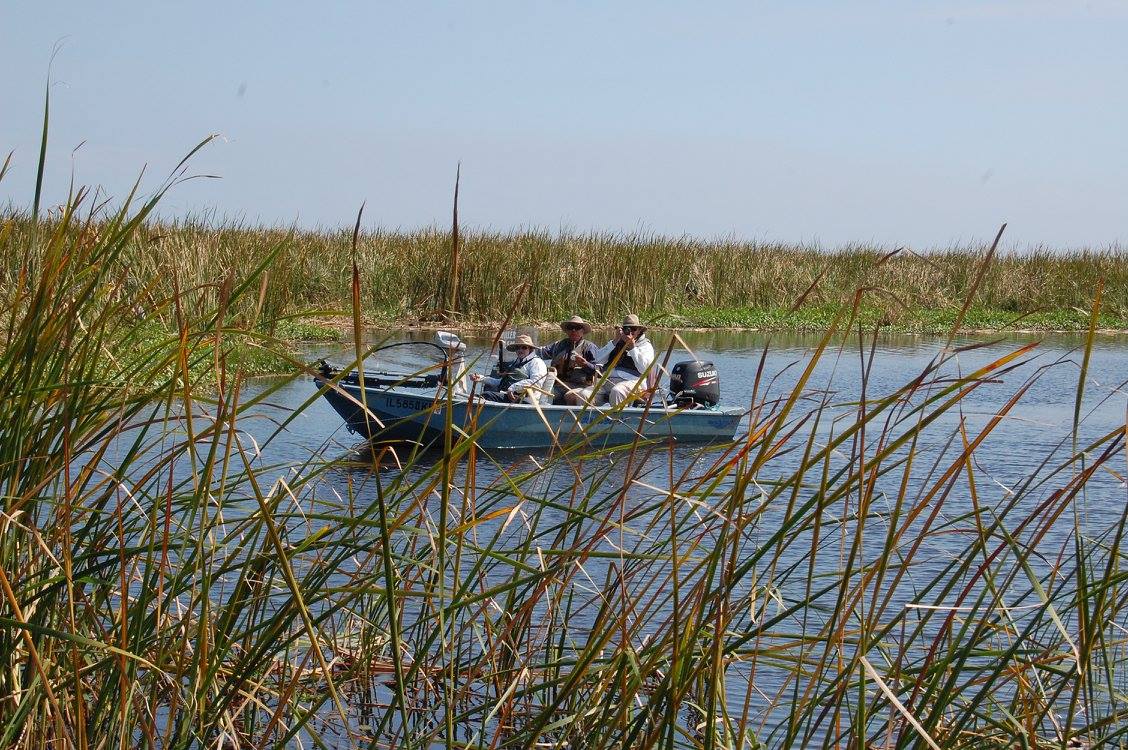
694, 383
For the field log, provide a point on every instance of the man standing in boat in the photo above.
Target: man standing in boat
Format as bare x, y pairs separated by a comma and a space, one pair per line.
527, 371
628, 356
574, 359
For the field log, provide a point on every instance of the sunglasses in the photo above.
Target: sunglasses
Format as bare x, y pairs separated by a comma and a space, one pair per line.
573, 327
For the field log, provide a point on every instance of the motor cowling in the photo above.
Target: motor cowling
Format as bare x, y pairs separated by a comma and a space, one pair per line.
695, 383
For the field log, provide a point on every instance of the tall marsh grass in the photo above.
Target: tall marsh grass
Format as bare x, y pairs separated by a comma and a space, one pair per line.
675, 281
840, 575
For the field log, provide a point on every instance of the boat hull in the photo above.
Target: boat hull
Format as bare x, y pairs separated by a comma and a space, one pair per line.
418, 416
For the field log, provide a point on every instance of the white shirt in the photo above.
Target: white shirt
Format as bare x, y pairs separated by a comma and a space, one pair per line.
532, 367
642, 355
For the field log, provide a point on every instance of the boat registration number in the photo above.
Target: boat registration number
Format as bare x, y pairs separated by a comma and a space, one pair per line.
409, 403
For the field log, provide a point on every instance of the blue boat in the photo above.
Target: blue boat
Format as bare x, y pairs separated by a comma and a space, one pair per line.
400, 408
418, 415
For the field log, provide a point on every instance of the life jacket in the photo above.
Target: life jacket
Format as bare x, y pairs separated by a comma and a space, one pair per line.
567, 371
513, 373
625, 361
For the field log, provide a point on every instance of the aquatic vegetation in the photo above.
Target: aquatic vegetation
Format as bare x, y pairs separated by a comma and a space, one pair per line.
675, 282
841, 574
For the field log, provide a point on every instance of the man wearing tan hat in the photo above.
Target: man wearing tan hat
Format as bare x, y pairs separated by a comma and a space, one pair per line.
574, 360
527, 371
629, 355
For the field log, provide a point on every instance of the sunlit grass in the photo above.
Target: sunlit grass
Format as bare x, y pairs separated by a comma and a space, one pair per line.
672, 282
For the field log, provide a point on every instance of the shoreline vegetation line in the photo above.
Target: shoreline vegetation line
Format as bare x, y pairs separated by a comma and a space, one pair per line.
673, 283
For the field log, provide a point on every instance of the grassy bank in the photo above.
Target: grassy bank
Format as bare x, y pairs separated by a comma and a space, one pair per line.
673, 282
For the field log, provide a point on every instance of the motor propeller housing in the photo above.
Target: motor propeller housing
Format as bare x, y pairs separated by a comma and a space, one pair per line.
695, 383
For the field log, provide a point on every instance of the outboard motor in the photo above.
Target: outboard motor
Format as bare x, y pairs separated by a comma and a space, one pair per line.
695, 384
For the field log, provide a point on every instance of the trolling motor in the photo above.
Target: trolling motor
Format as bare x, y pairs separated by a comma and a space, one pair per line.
694, 385
454, 361
504, 339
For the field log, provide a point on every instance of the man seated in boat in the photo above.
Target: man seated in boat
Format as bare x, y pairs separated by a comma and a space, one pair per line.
627, 356
573, 357
526, 372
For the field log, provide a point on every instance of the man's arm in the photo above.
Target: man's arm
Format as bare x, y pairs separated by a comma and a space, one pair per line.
643, 355
590, 353
603, 352
536, 371
550, 351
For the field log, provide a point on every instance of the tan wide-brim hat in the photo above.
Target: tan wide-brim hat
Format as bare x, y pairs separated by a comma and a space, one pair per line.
576, 320
631, 320
522, 340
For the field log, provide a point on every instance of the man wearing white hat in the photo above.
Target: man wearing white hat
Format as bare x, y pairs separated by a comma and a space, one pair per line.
527, 371
629, 355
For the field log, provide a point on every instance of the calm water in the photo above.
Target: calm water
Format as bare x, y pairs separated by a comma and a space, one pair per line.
1039, 427
1045, 416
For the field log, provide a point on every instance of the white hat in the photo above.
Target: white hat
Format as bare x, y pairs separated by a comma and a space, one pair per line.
631, 321
522, 339
575, 320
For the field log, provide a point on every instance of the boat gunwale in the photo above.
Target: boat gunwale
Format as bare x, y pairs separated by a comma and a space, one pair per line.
657, 406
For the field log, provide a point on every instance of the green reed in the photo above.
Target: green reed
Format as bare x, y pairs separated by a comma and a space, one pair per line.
671, 281
164, 584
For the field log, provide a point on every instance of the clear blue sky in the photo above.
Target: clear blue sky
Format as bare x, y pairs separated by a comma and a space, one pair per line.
919, 123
